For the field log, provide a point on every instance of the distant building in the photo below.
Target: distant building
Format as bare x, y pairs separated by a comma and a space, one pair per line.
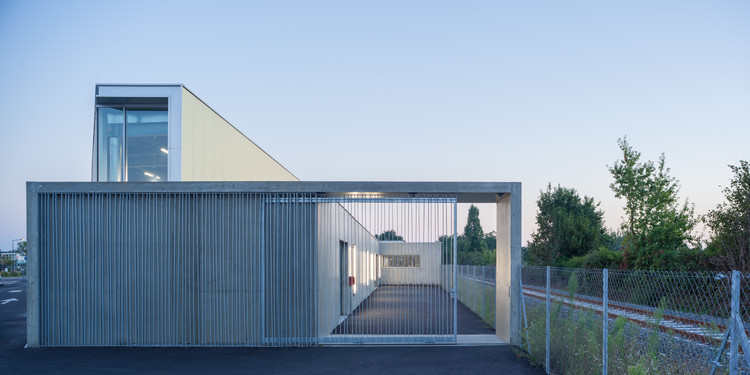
12, 255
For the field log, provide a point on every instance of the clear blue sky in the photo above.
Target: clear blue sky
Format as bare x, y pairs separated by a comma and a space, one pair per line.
535, 92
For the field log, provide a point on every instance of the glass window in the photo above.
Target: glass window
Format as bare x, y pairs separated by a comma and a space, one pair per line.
400, 260
146, 145
110, 143
132, 144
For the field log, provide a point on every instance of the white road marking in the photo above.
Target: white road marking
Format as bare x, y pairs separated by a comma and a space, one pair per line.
14, 291
8, 300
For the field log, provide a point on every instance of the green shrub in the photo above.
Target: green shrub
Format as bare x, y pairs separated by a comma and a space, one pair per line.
599, 258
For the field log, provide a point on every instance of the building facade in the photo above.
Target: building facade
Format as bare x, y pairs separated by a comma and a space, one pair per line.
191, 235
166, 133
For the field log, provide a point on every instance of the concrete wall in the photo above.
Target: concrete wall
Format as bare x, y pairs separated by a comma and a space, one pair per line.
214, 150
335, 224
428, 273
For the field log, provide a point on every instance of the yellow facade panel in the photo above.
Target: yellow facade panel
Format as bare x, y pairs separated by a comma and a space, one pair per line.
214, 150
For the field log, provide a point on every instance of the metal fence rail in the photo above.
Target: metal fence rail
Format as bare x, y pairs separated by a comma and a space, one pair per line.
604, 321
243, 269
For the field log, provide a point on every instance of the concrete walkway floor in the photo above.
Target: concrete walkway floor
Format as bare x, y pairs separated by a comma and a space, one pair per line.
411, 310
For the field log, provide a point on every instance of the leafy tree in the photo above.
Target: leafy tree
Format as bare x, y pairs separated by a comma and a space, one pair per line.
389, 235
490, 240
21, 247
446, 248
730, 223
473, 245
9, 262
473, 234
599, 258
568, 226
656, 224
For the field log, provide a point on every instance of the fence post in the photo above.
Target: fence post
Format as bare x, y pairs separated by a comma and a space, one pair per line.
474, 287
546, 361
733, 326
523, 305
605, 318
481, 287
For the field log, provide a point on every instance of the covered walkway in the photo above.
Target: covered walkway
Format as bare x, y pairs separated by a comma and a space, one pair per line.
411, 310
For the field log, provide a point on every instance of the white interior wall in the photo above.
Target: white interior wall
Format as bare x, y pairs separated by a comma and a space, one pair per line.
428, 272
335, 224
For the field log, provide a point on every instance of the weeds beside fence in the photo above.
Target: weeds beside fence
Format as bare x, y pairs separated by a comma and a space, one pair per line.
657, 322
475, 288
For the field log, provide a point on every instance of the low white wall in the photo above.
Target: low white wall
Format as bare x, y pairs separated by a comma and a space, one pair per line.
428, 272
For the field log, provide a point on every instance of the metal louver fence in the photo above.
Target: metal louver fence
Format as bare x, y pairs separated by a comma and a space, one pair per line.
244, 269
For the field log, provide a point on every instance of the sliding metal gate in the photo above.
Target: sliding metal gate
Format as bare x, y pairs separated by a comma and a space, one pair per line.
381, 276
244, 269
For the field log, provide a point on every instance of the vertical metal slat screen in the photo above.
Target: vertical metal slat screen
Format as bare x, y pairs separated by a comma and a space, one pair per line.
244, 269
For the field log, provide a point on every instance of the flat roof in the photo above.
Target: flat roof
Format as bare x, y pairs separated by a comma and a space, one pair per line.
468, 192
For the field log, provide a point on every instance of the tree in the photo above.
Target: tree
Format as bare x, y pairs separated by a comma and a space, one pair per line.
730, 223
656, 224
9, 263
389, 235
568, 226
446, 248
490, 240
21, 247
473, 232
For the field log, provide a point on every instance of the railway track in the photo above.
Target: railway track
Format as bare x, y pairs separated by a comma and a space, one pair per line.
703, 331
707, 331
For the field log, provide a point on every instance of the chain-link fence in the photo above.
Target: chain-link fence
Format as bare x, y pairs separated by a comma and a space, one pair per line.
657, 322
745, 302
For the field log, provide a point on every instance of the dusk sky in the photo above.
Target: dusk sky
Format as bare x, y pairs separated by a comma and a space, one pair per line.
536, 92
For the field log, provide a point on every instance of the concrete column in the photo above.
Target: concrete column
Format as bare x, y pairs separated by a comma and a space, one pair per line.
508, 263
32, 264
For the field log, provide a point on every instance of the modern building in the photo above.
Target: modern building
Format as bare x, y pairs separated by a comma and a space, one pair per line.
206, 240
166, 133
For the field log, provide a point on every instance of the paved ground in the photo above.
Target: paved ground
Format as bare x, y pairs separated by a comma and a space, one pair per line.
14, 359
12, 313
420, 309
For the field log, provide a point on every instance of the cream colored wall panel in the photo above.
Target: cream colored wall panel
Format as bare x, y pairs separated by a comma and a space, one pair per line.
428, 272
214, 150
335, 224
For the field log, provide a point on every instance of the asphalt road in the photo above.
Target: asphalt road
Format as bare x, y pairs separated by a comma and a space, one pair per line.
14, 359
12, 313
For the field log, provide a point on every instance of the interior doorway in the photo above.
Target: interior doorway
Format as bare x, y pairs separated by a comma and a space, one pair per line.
344, 277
